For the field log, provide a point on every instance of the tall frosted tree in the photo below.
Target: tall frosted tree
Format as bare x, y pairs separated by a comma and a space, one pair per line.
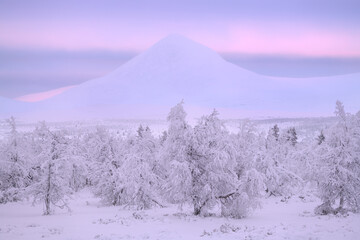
203, 167
141, 182
52, 185
123, 171
212, 158
339, 166
250, 182
174, 157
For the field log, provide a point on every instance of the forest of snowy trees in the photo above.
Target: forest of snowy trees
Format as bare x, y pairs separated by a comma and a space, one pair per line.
204, 166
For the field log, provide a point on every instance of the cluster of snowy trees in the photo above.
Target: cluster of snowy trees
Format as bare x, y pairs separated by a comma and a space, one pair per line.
203, 166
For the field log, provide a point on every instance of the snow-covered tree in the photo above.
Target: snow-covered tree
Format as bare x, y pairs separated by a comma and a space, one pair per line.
105, 163
212, 160
203, 168
77, 160
272, 159
247, 145
141, 182
292, 155
246, 197
250, 184
125, 171
14, 174
175, 157
52, 184
339, 166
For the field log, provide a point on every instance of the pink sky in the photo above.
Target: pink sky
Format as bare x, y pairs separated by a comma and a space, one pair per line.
239, 37
269, 29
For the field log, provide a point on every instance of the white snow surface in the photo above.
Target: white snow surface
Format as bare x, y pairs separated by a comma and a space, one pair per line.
177, 68
89, 219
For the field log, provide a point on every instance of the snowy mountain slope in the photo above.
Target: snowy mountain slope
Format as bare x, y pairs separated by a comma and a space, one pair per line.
173, 69
177, 68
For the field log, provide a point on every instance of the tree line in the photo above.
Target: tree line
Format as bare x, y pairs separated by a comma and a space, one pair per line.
202, 165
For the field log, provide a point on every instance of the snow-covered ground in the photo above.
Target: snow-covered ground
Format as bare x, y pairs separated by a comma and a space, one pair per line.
90, 219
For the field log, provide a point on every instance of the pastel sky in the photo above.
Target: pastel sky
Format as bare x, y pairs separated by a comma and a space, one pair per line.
32, 29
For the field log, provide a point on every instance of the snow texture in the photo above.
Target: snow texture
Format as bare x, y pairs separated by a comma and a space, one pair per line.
89, 219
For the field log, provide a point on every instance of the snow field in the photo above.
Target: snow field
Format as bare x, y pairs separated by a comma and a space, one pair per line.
90, 219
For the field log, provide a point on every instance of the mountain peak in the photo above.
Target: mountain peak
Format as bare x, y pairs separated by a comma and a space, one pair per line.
176, 48
178, 68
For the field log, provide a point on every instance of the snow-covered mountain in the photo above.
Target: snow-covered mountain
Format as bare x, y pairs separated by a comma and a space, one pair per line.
177, 68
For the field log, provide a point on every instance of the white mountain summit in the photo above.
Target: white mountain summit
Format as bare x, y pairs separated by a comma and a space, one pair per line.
177, 68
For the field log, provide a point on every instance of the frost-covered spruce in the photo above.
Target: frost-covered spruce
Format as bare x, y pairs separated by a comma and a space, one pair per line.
339, 166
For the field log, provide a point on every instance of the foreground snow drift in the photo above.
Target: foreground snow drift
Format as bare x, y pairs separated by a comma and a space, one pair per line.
89, 219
